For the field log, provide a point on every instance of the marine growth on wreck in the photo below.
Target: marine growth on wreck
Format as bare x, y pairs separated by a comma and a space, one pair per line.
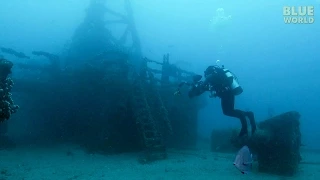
7, 106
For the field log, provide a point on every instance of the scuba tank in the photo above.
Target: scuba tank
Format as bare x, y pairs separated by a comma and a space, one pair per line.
234, 86
218, 71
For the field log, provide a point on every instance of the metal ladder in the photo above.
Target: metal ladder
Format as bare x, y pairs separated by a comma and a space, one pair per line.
153, 140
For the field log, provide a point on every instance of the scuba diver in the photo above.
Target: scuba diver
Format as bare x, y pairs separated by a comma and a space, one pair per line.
223, 84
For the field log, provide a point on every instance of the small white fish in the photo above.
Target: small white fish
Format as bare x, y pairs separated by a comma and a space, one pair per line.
243, 160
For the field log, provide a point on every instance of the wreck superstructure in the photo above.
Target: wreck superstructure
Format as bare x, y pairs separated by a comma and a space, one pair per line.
102, 94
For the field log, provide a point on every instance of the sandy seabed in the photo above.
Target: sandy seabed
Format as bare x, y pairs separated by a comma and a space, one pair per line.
68, 162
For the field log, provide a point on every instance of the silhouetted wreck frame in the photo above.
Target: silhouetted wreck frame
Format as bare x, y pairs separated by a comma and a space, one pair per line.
150, 110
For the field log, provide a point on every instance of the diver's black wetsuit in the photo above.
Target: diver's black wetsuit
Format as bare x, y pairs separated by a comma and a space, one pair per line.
227, 104
218, 83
